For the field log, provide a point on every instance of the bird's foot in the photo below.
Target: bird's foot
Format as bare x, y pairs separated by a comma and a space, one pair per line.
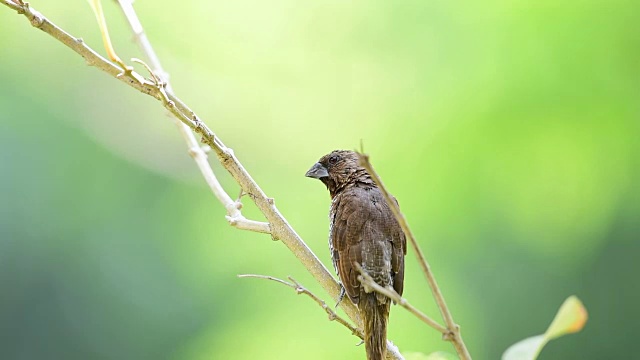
341, 295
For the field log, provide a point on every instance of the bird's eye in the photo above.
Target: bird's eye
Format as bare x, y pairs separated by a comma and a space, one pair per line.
333, 159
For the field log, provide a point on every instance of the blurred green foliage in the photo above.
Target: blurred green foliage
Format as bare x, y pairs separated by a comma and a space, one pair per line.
507, 130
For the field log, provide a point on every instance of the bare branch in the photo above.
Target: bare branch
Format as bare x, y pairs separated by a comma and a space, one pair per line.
392, 350
302, 290
278, 226
368, 283
234, 215
452, 327
141, 39
15, 5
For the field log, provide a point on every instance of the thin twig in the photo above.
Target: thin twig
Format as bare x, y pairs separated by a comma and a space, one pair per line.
302, 290
368, 282
392, 351
234, 215
452, 327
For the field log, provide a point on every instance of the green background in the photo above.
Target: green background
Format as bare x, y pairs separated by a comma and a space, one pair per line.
507, 130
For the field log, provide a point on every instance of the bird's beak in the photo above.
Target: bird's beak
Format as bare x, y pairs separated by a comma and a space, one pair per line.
317, 171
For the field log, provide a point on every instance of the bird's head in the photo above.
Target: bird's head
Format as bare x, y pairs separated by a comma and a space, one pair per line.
337, 170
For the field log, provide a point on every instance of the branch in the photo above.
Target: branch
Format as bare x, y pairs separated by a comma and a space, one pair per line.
367, 281
278, 226
199, 155
452, 327
302, 290
392, 350
15, 5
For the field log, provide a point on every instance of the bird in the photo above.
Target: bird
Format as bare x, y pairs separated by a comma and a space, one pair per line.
363, 233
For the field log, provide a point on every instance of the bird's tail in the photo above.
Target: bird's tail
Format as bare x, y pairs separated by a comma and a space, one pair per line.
375, 316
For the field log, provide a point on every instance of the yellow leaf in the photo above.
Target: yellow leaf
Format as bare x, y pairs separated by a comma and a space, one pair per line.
571, 318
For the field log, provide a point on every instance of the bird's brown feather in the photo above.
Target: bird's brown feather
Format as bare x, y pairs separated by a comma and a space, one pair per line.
363, 232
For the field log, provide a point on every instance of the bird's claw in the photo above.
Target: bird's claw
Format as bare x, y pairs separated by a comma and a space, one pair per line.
341, 295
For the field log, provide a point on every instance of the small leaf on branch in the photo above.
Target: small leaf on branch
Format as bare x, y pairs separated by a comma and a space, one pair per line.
571, 318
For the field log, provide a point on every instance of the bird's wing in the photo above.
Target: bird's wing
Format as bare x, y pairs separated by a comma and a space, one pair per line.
345, 240
365, 232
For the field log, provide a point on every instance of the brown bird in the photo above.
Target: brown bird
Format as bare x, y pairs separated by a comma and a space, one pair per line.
362, 231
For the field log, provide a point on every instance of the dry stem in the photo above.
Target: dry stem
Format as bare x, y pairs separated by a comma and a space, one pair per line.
302, 290
368, 282
392, 350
